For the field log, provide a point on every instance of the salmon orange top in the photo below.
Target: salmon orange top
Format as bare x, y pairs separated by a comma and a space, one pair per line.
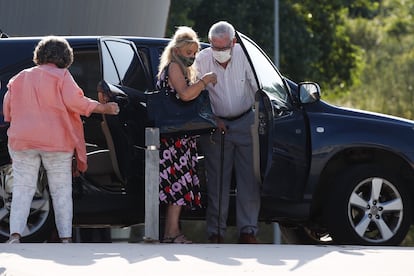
43, 105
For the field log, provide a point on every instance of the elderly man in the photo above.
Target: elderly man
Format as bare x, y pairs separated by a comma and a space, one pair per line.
232, 98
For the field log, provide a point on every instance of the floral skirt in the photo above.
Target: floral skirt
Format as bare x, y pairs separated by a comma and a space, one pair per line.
179, 183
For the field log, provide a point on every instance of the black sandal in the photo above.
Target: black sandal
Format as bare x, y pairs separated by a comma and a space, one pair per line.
180, 238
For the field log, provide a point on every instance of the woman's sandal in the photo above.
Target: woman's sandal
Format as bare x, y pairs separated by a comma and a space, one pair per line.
180, 238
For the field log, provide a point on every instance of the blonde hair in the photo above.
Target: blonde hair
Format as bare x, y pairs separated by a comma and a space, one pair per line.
183, 36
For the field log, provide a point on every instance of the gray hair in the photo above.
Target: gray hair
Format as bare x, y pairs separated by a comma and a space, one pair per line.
222, 29
53, 49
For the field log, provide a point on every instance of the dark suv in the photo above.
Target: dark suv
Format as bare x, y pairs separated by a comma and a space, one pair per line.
328, 174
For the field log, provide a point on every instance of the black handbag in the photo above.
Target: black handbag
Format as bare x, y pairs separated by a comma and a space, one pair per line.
172, 115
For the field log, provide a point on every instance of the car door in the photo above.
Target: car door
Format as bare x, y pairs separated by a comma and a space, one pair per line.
282, 131
125, 80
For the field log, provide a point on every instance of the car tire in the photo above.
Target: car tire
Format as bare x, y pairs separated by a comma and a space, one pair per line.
40, 223
368, 206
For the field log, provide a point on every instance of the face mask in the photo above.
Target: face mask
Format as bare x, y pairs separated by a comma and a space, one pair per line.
222, 56
187, 61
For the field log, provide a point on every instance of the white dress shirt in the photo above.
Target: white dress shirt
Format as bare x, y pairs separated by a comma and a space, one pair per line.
234, 92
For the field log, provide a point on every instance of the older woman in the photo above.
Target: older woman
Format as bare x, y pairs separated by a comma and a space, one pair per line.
179, 184
43, 105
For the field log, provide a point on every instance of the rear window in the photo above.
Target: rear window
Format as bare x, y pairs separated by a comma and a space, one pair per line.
85, 69
121, 66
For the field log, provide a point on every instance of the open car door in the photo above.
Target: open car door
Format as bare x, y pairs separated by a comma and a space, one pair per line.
282, 141
124, 80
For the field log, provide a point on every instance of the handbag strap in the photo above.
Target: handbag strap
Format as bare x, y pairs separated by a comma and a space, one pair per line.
163, 81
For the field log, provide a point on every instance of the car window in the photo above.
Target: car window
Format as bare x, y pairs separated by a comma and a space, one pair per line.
269, 78
86, 72
121, 64
144, 54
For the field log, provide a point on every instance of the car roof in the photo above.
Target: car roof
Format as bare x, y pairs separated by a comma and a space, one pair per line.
17, 50
85, 38
14, 50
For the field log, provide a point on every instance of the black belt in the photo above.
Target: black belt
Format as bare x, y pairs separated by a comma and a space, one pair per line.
236, 117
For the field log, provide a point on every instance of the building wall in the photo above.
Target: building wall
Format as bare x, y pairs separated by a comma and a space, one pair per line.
84, 17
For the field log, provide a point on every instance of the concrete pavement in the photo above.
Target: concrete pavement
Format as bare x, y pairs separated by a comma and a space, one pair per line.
202, 259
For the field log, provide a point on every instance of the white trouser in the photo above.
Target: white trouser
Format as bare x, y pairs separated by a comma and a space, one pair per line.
26, 164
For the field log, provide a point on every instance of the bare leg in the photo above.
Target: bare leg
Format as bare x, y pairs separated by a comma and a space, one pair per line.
172, 231
172, 228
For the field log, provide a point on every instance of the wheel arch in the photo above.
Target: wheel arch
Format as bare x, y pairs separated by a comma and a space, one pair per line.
353, 156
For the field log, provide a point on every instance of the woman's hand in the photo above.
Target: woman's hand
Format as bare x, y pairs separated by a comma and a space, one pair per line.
111, 108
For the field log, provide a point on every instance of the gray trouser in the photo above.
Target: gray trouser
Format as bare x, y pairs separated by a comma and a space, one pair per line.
238, 154
26, 164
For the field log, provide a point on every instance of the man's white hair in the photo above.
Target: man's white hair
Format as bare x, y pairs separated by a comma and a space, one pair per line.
221, 29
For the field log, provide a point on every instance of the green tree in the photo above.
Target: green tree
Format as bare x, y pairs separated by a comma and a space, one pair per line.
387, 44
313, 42
179, 15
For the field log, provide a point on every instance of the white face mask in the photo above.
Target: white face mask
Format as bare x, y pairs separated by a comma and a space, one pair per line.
222, 56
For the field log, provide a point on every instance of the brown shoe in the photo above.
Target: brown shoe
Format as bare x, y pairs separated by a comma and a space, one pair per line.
247, 238
215, 239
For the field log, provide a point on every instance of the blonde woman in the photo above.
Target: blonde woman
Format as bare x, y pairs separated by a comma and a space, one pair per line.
179, 183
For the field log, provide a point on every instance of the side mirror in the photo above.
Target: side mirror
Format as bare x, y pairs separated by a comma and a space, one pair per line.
309, 92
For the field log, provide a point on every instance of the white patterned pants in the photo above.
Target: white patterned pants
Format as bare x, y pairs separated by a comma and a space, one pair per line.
26, 164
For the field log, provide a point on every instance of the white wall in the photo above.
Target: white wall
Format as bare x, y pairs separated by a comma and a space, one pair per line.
84, 17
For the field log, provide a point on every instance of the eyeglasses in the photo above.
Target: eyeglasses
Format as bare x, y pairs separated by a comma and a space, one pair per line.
221, 48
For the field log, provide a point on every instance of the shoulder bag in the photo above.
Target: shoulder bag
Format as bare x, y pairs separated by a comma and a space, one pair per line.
172, 115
